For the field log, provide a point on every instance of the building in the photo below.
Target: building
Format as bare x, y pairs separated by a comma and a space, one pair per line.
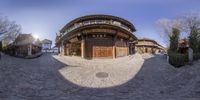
146, 45
183, 46
46, 45
26, 45
54, 50
96, 36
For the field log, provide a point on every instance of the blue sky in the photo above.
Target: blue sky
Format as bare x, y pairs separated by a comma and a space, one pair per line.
46, 17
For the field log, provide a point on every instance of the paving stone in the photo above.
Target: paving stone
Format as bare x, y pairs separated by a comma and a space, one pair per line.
52, 77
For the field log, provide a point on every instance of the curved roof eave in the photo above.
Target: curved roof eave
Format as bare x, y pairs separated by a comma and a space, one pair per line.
99, 16
83, 27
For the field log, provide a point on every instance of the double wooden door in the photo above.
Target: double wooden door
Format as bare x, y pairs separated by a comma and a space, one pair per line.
99, 48
102, 51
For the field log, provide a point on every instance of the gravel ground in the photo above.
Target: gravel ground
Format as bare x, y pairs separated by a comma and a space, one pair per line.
52, 77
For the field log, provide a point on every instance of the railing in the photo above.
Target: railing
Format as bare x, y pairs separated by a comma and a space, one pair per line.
92, 22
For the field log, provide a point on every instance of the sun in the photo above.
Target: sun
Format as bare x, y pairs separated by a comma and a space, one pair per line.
35, 36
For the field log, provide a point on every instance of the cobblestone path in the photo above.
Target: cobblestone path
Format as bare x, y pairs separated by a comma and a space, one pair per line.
51, 77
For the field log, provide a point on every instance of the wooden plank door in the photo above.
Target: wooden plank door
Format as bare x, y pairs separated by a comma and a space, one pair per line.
101, 51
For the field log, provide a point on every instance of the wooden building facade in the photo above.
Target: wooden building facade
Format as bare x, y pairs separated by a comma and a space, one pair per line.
146, 45
96, 36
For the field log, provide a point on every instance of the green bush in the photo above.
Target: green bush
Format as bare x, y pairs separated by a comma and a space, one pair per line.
177, 59
196, 56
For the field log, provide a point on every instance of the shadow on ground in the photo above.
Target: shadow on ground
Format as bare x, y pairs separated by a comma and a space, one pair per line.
40, 79
144, 85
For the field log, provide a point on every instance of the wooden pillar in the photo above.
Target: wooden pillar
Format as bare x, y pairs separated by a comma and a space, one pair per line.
114, 46
62, 48
114, 51
128, 47
67, 49
83, 47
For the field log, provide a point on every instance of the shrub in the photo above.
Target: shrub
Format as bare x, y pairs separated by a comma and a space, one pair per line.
193, 39
177, 59
196, 56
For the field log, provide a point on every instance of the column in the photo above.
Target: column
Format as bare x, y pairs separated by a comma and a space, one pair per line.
114, 47
128, 45
62, 48
67, 49
114, 51
130, 49
83, 47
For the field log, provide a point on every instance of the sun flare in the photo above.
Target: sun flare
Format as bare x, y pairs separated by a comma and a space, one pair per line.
35, 36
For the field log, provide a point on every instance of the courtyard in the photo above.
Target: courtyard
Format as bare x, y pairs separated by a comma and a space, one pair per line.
53, 77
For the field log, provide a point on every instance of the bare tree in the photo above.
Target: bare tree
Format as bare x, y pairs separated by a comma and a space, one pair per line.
13, 30
190, 21
9, 28
166, 27
191, 25
4, 23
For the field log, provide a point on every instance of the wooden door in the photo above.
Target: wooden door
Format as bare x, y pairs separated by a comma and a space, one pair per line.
102, 51
99, 48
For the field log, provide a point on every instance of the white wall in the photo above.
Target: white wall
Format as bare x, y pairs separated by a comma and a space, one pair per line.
46, 46
51, 51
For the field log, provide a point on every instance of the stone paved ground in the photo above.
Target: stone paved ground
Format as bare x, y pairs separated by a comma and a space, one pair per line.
85, 72
51, 77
